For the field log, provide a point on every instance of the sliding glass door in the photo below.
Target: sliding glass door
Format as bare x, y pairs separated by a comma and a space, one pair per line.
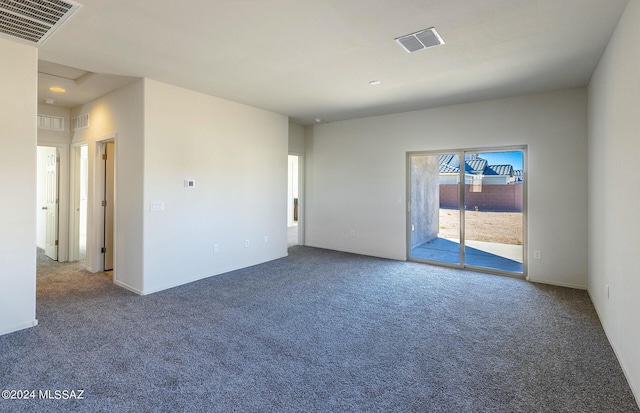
435, 208
466, 209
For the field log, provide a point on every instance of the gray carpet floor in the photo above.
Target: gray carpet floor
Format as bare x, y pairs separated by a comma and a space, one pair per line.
316, 331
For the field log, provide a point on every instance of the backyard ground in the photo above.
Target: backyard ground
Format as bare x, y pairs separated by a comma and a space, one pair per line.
500, 227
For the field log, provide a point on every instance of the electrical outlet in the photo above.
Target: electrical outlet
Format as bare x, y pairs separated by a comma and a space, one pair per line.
353, 232
266, 239
246, 243
536, 255
216, 248
157, 206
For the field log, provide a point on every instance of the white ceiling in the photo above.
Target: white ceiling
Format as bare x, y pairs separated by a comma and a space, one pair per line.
80, 85
314, 58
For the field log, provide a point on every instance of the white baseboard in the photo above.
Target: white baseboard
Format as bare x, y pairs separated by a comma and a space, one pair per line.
558, 284
127, 287
202, 277
19, 327
634, 387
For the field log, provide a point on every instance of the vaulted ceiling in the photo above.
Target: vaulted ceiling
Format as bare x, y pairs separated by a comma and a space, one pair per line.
313, 59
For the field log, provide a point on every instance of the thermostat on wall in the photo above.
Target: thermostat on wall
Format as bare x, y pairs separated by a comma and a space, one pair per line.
189, 183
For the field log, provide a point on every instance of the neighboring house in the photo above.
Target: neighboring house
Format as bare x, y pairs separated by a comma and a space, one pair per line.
502, 195
517, 176
498, 175
477, 172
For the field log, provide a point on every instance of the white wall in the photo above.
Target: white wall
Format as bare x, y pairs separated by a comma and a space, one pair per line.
18, 178
237, 156
51, 137
356, 175
296, 139
118, 114
614, 152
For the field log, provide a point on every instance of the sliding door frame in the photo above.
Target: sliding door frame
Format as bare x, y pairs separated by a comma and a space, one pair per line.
462, 208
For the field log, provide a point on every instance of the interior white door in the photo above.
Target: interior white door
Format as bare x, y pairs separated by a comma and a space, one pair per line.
51, 206
109, 185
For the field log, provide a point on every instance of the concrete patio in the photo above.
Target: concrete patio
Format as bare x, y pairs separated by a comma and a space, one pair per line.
495, 256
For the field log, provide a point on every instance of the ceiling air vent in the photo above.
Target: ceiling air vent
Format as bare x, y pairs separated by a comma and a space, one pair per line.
420, 40
33, 21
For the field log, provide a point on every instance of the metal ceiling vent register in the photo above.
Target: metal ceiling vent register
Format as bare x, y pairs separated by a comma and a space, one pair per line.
33, 21
420, 40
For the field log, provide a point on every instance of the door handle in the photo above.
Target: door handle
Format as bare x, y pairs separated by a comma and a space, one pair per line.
45, 208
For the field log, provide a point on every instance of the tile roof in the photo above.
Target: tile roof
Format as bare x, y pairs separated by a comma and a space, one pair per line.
504, 170
449, 163
475, 166
450, 159
448, 169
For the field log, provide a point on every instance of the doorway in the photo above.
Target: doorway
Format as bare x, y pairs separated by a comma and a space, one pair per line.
108, 156
467, 209
80, 194
294, 209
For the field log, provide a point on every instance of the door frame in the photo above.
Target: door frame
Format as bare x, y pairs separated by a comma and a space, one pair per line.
109, 207
74, 196
301, 197
461, 153
95, 210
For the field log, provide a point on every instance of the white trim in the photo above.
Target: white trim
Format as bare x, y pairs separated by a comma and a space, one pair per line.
95, 227
301, 199
72, 202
